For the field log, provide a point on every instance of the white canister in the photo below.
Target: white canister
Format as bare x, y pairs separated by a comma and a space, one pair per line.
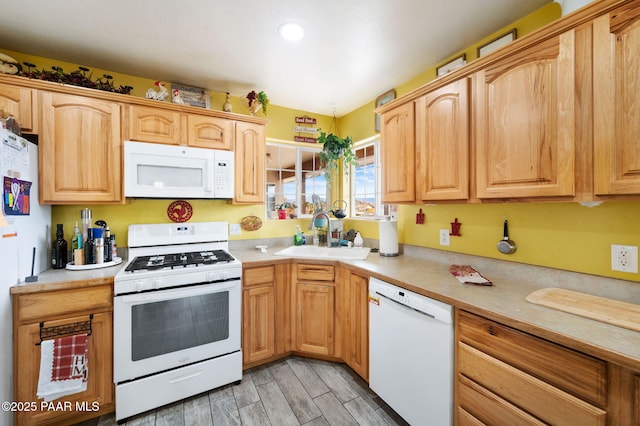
388, 230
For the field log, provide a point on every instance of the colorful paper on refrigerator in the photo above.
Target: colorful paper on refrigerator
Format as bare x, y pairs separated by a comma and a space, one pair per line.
16, 196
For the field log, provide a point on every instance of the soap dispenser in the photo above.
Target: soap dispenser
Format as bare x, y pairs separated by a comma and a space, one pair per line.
357, 241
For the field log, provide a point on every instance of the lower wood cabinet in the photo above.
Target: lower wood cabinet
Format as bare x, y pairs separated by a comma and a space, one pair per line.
356, 323
265, 313
504, 376
59, 308
314, 307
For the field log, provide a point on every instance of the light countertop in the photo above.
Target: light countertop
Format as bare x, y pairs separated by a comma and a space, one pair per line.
426, 271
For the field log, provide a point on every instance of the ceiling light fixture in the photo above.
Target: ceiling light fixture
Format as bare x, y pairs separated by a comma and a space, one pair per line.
291, 31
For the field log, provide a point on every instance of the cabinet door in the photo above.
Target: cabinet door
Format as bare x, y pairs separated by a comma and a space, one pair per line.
357, 324
525, 121
147, 124
442, 143
100, 374
80, 150
616, 100
397, 151
19, 102
209, 132
258, 319
315, 318
249, 153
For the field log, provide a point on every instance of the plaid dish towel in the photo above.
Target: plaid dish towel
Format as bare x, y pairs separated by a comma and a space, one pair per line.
63, 367
467, 275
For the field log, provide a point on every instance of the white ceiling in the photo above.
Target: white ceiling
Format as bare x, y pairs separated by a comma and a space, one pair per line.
353, 50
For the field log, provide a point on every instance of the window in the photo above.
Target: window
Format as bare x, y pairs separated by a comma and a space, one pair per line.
366, 191
294, 174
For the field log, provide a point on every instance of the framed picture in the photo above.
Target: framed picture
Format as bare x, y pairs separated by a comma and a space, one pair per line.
496, 43
386, 97
193, 96
451, 65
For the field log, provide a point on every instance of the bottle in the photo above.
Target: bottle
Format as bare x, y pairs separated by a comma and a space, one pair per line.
114, 247
316, 239
227, 104
357, 241
76, 246
74, 238
108, 250
99, 243
89, 248
59, 252
85, 215
297, 237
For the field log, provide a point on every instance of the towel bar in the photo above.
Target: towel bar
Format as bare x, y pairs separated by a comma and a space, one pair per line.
66, 329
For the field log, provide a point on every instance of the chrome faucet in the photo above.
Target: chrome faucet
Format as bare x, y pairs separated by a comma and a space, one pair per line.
313, 221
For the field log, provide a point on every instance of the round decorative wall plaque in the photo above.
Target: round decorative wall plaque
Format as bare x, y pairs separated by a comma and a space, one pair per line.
180, 211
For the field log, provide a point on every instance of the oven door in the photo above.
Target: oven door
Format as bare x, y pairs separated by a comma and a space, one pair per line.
159, 330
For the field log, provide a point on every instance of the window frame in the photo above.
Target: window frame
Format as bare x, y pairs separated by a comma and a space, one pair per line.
298, 175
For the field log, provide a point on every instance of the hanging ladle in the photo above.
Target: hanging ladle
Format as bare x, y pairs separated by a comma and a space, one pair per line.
506, 246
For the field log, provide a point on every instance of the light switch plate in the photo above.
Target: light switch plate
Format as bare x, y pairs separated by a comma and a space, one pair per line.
234, 229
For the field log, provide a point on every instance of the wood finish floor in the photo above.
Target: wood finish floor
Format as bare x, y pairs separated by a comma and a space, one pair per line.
292, 391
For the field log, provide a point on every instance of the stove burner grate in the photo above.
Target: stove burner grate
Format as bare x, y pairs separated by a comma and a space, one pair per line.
178, 260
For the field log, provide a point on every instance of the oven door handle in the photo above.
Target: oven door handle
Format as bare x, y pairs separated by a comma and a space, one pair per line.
157, 296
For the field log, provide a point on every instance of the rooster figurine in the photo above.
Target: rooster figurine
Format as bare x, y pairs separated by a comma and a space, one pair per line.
158, 95
177, 99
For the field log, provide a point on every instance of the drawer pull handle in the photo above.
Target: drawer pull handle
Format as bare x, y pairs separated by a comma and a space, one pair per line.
491, 330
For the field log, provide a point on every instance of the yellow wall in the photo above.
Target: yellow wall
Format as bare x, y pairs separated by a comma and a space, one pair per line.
559, 235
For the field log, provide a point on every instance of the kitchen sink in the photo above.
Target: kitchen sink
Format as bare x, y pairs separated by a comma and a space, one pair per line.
325, 252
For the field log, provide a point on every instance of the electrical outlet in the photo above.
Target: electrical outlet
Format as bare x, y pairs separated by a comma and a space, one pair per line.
445, 238
234, 229
624, 258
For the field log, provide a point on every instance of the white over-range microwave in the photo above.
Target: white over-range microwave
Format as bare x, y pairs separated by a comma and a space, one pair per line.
173, 171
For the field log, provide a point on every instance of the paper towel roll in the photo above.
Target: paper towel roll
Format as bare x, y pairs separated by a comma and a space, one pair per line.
388, 230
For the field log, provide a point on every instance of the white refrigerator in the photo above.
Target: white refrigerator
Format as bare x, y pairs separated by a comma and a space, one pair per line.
24, 224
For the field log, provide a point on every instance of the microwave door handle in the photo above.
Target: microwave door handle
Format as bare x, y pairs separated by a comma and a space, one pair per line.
210, 167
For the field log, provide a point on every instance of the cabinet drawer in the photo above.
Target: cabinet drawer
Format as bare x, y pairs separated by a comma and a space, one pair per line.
531, 394
564, 368
477, 404
311, 272
260, 275
38, 307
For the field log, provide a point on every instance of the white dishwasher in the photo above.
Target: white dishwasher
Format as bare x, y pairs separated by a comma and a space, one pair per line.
411, 354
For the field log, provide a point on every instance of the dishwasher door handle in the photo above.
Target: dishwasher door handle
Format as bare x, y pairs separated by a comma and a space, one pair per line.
406, 306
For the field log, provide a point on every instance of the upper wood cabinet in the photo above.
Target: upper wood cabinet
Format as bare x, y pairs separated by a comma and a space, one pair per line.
20, 102
155, 124
80, 150
249, 153
442, 143
525, 117
209, 132
149, 124
616, 87
397, 150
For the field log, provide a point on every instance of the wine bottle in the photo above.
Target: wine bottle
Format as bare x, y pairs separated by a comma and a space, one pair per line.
59, 252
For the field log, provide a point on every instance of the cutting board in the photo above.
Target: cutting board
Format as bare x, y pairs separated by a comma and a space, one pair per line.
621, 314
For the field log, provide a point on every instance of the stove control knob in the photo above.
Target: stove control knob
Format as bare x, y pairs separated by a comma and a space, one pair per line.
156, 283
139, 285
224, 275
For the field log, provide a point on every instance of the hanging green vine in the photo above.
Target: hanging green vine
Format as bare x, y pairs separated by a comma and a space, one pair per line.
335, 148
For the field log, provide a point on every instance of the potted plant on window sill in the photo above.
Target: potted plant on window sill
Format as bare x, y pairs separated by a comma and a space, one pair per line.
335, 148
286, 209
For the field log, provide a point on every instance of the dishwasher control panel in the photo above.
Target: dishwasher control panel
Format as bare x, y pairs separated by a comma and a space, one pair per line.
431, 307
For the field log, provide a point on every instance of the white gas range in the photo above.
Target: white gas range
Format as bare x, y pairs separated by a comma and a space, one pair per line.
177, 315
